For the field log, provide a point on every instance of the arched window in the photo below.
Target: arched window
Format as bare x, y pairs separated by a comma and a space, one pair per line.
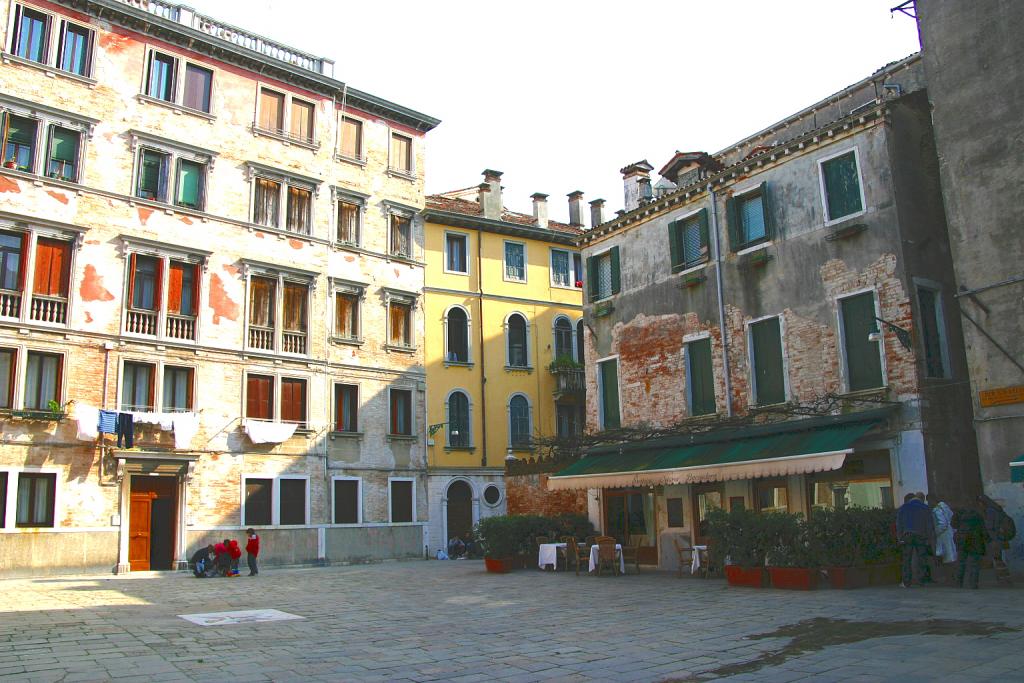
516, 339
457, 325
458, 420
579, 341
563, 338
519, 421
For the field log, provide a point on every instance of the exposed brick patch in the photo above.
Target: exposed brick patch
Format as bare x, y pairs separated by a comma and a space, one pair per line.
88, 317
59, 196
92, 288
220, 303
114, 42
186, 220
144, 214
260, 235
528, 494
9, 185
295, 244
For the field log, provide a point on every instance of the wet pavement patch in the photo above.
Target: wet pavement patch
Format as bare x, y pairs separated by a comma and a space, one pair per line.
813, 635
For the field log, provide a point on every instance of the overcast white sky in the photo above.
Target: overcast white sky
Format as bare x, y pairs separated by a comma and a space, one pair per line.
561, 94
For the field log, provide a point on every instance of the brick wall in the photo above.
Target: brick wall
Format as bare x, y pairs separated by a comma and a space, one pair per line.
527, 494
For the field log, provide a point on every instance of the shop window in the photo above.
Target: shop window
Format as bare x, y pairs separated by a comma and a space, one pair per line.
771, 495
674, 507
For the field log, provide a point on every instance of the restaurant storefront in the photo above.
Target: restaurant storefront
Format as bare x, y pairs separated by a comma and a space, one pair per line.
664, 490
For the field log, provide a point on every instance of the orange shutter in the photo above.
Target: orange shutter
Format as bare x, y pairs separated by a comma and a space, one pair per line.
131, 281
174, 279
158, 281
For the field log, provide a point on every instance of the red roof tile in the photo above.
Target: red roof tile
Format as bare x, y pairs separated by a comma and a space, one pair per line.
440, 202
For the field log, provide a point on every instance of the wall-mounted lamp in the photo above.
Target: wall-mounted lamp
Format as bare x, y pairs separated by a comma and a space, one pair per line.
509, 457
902, 335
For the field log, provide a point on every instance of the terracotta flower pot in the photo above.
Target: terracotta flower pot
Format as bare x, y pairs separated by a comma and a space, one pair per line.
885, 574
794, 578
844, 578
498, 565
749, 577
10, 164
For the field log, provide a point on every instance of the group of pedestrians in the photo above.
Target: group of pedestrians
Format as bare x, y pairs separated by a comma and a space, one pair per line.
932, 537
221, 559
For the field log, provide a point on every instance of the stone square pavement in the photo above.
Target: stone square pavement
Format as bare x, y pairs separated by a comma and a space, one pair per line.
421, 620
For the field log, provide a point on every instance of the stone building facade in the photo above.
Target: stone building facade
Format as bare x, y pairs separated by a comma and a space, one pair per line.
204, 228
802, 271
502, 303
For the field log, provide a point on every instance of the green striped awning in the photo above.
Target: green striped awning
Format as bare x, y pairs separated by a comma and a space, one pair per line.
793, 447
1017, 469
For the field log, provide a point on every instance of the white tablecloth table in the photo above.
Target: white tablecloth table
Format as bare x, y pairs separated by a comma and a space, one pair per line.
695, 563
548, 554
618, 551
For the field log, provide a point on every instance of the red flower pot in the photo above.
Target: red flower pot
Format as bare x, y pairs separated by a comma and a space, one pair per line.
794, 578
749, 577
498, 566
844, 578
885, 574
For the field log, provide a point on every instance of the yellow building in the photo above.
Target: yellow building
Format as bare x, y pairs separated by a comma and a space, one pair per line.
502, 300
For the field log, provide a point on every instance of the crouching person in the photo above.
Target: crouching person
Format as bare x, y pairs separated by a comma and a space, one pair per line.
202, 562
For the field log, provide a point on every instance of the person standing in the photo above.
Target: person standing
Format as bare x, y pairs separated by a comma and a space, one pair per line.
945, 543
252, 549
915, 530
972, 538
236, 554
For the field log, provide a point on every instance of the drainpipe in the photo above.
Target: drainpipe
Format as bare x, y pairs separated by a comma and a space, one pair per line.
721, 300
480, 350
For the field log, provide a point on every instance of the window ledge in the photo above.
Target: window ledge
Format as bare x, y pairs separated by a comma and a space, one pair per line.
518, 282
458, 364
347, 246
400, 349
755, 406
686, 269
463, 449
334, 434
401, 437
404, 175
519, 368
286, 138
403, 259
273, 230
521, 448
175, 107
456, 272
842, 219
873, 392
569, 287
49, 70
753, 246
348, 341
358, 161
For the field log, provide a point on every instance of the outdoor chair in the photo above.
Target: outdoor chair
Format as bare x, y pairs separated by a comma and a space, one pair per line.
589, 540
574, 555
631, 552
685, 552
606, 555
563, 553
540, 540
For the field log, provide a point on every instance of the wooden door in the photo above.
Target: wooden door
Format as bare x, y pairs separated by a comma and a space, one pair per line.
460, 510
139, 516
706, 498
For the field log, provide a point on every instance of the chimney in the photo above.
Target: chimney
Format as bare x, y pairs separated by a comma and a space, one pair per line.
596, 212
483, 189
576, 209
491, 202
632, 176
646, 192
540, 209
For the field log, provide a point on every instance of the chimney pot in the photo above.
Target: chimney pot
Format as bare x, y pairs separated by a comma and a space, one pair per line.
540, 209
632, 176
576, 208
491, 202
596, 212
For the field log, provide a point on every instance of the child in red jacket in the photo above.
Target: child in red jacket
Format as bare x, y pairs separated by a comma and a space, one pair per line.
235, 553
252, 548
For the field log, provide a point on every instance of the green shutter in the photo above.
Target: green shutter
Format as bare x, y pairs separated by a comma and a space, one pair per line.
610, 394
21, 131
701, 377
766, 338
705, 242
616, 278
732, 218
189, 183
863, 364
842, 186
591, 278
675, 249
64, 145
149, 175
766, 207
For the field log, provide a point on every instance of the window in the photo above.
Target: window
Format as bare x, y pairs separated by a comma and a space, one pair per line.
3, 500
457, 335
300, 210
401, 412
603, 279
31, 34
402, 496
766, 358
351, 139
179, 82
346, 315
771, 495
349, 215
516, 334
401, 235
259, 397
563, 338
42, 380
152, 176
401, 154
750, 218
137, 387
10, 263
458, 420
36, 496
400, 323
568, 420
8, 365
700, 378
62, 158
580, 349
190, 180
162, 76
171, 172
455, 253
292, 503
608, 387
565, 268
933, 332
282, 199
267, 202
258, 502
162, 283
46, 301
862, 354
287, 117
519, 429
347, 498
177, 389
515, 261
260, 403
840, 186
20, 142
278, 312
346, 408
74, 53
688, 241
198, 88
492, 495
674, 508
293, 401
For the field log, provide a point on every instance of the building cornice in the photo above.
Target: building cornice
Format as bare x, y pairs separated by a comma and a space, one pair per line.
459, 220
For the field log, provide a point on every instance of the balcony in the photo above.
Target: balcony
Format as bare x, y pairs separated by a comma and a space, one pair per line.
180, 327
293, 342
570, 382
261, 338
10, 303
140, 321
49, 309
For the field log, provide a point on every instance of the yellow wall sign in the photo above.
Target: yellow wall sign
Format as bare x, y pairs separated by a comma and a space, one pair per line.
1001, 397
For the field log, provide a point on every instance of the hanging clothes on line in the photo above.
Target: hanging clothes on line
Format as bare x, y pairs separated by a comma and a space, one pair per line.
88, 418
108, 422
125, 430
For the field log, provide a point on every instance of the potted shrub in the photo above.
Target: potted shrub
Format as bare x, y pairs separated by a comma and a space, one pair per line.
881, 552
792, 554
738, 537
499, 541
838, 535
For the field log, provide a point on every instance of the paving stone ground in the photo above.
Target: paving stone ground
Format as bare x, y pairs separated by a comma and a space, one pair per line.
421, 621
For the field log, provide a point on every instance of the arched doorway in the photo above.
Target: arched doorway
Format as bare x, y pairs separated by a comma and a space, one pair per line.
460, 510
